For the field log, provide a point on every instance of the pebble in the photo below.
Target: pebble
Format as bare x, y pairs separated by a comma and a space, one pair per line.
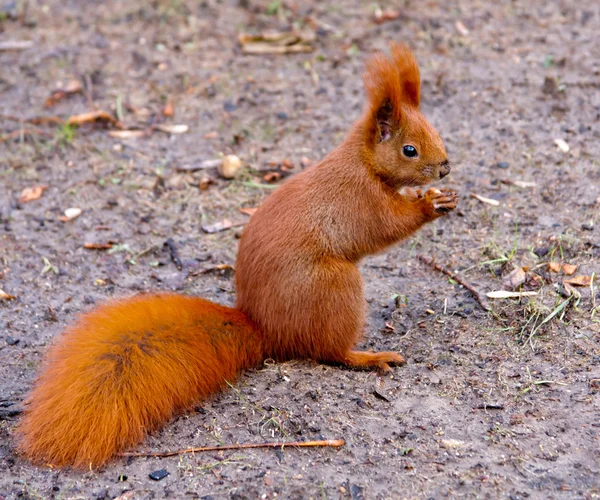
229, 106
157, 475
11, 340
587, 226
502, 164
229, 166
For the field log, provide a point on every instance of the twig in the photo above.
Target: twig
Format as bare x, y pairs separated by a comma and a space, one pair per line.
21, 133
334, 443
482, 301
170, 244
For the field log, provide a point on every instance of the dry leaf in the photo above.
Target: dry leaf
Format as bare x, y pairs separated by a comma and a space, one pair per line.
272, 177
504, 294
515, 278
169, 109
482, 199
218, 267
562, 145
524, 184
248, 211
205, 181
70, 214
569, 269
6, 296
73, 87
288, 42
554, 267
97, 246
461, 28
580, 280
127, 134
15, 45
218, 226
94, 116
172, 129
452, 443
381, 16
32, 193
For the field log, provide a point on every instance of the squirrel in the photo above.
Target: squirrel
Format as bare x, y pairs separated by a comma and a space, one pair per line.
127, 367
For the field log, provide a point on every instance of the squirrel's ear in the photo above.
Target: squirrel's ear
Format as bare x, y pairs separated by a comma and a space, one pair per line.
408, 73
390, 84
386, 122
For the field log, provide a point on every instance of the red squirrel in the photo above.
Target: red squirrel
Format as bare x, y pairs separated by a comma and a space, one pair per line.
127, 367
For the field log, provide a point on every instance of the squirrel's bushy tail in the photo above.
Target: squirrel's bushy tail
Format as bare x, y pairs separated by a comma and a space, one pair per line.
125, 369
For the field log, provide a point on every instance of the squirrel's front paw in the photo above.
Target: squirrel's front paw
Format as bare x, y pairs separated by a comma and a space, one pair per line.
441, 201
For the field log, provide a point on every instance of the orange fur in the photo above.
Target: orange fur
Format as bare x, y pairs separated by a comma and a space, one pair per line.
127, 367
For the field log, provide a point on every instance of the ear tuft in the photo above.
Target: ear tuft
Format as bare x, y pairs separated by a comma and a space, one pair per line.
392, 81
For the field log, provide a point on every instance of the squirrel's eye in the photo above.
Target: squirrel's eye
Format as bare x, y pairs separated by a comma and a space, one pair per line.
409, 151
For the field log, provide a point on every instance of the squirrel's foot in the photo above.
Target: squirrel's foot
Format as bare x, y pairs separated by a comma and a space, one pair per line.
381, 360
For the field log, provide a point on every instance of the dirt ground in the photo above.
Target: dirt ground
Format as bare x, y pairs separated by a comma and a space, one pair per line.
500, 404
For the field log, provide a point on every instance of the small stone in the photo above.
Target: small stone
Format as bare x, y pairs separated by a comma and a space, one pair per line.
11, 340
502, 164
282, 115
229, 166
229, 106
541, 251
587, 226
157, 475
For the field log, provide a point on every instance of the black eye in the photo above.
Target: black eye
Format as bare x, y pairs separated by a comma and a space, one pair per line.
409, 151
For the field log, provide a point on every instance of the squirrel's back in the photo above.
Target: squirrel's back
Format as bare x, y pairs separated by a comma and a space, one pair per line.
127, 367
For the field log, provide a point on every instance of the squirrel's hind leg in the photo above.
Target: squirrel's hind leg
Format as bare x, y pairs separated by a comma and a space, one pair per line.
382, 360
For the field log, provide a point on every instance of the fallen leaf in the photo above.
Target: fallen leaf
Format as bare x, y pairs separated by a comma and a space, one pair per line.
461, 28
381, 16
524, 184
306, 161
73, 87
571, 290
218, 226
15, 45
205, 181
249, 211
172, 129
6, 296
482, 199
94, 116
569, 269
32, 193
503, 294
272, 177
452, 443
168, 109
98, 246
127, 134
515, 278
562, 145
580, 280
288, 42
554, 267
70, 214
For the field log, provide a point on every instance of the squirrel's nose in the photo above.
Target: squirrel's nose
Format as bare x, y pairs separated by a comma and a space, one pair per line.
444, 169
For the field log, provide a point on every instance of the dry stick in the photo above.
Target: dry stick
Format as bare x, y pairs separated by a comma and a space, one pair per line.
482, 301
334, 443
